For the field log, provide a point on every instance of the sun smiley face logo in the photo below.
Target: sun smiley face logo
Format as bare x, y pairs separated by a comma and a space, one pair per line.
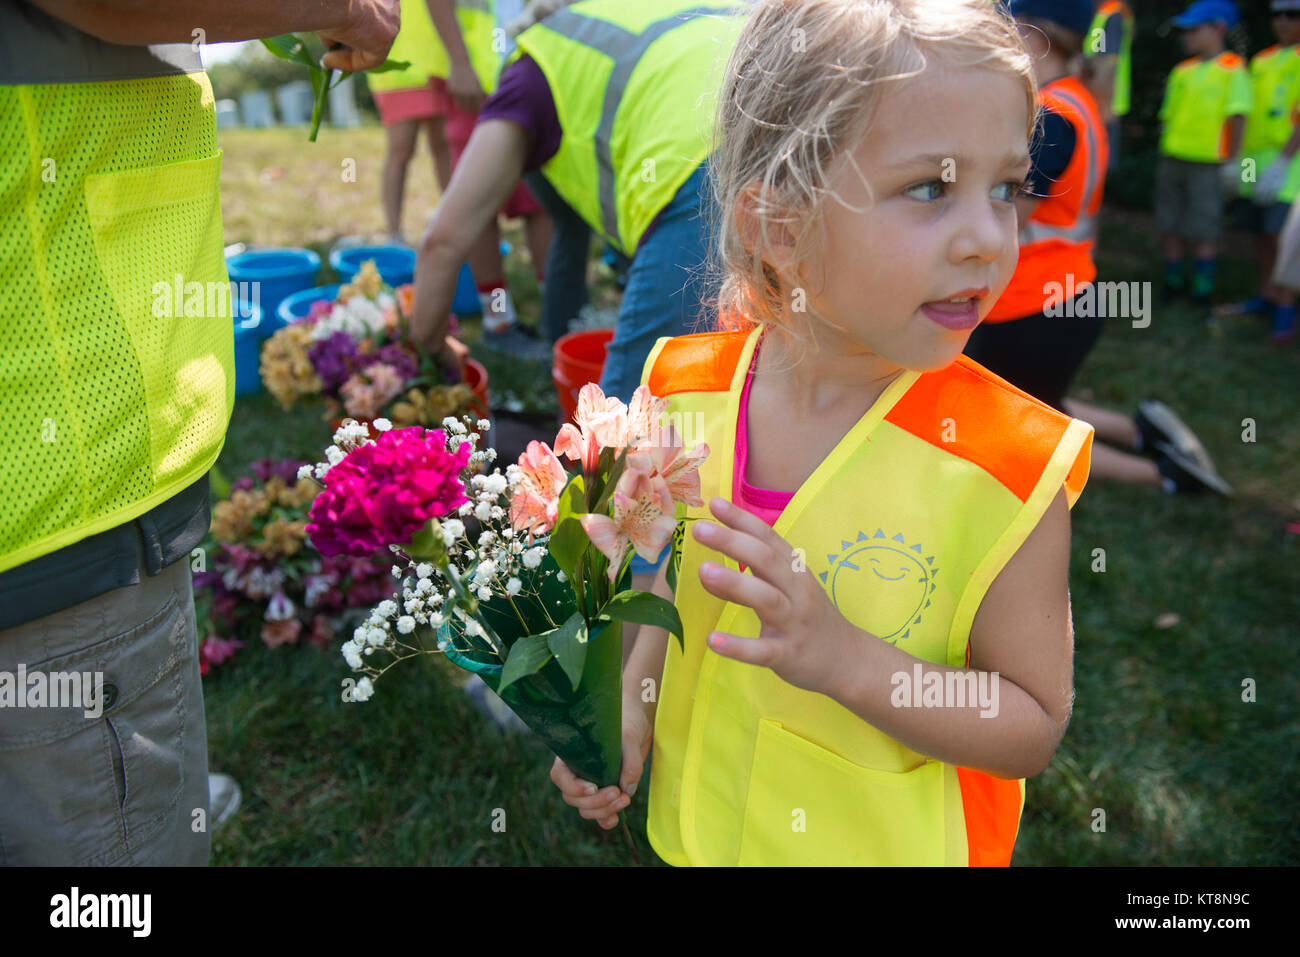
888, 579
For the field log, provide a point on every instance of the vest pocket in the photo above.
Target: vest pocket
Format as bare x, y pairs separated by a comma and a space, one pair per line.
809, 806
157, 234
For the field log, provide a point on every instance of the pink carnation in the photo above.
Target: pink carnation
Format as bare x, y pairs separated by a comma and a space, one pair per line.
382, 493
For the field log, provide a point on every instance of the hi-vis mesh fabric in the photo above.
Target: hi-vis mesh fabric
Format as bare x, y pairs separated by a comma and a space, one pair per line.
115, 396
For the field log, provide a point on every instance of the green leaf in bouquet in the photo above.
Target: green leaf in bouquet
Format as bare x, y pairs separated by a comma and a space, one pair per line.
390, 65
645, 608
566, 546
527, 656
569, 645
572, 500
288, 47
427, 543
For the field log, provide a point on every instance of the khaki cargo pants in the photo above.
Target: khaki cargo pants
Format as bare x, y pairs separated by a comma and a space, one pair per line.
130, 785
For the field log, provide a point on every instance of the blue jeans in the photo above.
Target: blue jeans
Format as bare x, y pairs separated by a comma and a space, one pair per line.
670, 292
566, 260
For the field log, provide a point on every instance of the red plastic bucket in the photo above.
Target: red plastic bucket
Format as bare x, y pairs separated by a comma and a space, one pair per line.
579, 359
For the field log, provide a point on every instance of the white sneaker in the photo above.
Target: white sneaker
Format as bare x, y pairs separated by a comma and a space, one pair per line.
223, 798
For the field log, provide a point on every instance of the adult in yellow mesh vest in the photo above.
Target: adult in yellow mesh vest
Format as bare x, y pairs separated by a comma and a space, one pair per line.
883, 526
115, 411
603, 98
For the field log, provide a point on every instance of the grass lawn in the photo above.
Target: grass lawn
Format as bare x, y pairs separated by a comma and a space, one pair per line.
1161, 740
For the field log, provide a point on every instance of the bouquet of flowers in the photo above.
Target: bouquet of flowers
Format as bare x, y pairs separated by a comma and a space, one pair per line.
357, 354
264, 582
518, 577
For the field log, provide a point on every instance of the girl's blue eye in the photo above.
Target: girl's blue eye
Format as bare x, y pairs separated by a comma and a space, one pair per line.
937, 183
1016, 188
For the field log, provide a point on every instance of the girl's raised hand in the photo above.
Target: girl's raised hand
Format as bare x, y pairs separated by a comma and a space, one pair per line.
804, 639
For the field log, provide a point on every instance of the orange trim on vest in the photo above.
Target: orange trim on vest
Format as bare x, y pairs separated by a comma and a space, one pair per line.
699, 362
991, 427
1230, 61
992, 810
1049, 260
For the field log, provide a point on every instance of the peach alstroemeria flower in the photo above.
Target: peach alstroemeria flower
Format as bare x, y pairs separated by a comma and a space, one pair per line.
667, 458
601, 421
644, 517
643, 418
535, 501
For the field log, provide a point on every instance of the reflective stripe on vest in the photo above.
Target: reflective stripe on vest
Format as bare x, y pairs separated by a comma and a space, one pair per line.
1085, 227
117, 363
626, 49
905, 531
1057, 240
628, 88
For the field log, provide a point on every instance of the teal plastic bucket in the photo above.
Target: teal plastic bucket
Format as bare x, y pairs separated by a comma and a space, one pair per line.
298, 306
265, 277
396, 264
249, 333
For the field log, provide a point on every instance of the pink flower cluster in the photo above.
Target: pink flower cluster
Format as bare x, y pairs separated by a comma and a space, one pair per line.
382, 493
658, 473
366, 394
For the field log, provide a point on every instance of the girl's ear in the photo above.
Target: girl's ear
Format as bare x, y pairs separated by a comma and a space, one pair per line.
761, 229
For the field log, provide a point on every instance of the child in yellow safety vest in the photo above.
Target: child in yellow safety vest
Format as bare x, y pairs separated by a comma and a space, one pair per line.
877, 642
1270, 143
1207, 97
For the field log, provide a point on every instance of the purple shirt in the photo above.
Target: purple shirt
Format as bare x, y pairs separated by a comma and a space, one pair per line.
524, 97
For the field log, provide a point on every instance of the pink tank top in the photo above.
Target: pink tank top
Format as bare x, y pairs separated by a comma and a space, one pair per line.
766, 503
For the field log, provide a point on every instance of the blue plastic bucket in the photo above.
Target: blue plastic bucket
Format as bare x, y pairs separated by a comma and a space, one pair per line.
249, 333
276, 272
396, 264
298, 306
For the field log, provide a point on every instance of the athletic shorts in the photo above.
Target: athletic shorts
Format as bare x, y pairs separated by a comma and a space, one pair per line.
1189, 199
1265, 220
1038, 354
423, 103
460, 125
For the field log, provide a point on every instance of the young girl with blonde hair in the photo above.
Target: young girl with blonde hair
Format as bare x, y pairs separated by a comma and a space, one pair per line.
878, 644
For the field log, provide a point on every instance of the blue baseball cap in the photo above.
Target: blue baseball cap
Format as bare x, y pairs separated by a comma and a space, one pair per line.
1074, 15
1207, 11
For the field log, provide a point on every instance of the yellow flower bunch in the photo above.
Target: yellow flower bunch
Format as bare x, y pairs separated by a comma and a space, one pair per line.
429, 408
232, 520
367, 283
281, 537
286, 371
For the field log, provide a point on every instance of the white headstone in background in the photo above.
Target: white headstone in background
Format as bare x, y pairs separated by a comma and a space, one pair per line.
255, 105
227, 114
295, 102
343, 104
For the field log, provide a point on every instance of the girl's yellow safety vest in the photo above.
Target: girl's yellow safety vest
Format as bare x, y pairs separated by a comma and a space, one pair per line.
906, 524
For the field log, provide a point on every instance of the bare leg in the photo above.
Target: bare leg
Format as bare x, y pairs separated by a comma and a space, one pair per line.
435, 132
1109, 463
1113, 427
402, 138
537, 233
1206, 250
485, 254
1173, 247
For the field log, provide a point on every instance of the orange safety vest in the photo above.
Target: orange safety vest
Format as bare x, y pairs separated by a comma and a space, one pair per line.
1057, 241
906, 523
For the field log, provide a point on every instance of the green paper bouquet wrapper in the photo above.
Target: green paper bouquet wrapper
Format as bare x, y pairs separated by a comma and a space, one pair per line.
583, 727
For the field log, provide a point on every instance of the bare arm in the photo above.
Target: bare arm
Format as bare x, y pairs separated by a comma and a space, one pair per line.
367, 27
462, 83
1022, 635
647, 658
486, 175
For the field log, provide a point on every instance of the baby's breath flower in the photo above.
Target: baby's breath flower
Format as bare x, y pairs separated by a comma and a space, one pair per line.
382, 425
406, 624
363, 690
513, 586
